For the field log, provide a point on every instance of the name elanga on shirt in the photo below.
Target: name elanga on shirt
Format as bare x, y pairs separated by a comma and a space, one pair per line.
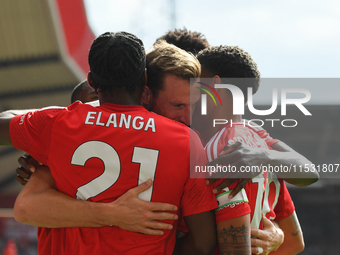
121, 121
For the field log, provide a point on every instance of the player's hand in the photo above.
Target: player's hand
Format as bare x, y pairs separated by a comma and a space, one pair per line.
238, 156
27, 166
269, 238
141, 216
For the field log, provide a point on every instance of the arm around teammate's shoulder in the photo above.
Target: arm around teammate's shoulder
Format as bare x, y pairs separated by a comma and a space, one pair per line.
302, 175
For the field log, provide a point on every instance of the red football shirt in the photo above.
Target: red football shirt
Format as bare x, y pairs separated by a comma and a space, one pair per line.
262, 133
97, 154
264, 194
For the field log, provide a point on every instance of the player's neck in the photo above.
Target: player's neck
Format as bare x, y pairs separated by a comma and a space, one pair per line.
122, 98
208, 129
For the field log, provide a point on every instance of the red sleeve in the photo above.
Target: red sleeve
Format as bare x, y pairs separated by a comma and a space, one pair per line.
197, 197
232, 212
231, 208
285, 206
264, 135
31, 132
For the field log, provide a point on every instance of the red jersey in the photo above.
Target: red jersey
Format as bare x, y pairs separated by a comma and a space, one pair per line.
97, 154
264, 194
263, 134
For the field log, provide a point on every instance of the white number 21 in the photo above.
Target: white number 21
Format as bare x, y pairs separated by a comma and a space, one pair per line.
147, 158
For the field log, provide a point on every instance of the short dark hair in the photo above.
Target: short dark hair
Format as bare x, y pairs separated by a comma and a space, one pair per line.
117, 61
230, 62
186, 40
77, 90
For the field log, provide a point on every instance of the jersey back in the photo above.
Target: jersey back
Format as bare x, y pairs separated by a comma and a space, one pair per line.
97, 154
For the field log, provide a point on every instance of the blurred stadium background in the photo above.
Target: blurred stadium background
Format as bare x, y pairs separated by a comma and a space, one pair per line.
43, 55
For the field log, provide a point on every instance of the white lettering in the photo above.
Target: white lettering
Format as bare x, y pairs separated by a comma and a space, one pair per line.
219, 122
98, 123
262, 123
272, 120
262, 112
89, 117
297, 102
289, 120
238, 97
125, 120
134, 122
112, 120
150, 124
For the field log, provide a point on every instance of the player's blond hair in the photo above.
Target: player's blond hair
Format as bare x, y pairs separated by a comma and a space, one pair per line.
165, 58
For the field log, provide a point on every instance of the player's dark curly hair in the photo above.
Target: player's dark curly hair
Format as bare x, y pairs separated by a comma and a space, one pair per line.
230, 62
187, 40
117, 61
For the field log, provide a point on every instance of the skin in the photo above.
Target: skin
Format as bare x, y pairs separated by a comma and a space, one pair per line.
243, 155
87, 94
41, 186
172, 102
293, 240
270, 238
239, 229
176, 106
127, 212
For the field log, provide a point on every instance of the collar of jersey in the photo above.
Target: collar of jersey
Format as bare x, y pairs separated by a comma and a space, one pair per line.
121, 107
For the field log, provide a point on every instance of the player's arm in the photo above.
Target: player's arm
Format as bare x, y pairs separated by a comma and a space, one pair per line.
285, 155
40, 204
5, 119
268, 239
234, 236
201, 238
239, 155
293, 238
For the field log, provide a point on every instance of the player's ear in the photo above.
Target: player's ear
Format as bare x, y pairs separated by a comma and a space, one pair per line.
89, 80
147, 97
91, 83
216, 79
145, 78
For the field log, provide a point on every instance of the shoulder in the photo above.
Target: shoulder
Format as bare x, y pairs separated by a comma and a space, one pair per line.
169, 124
55, 110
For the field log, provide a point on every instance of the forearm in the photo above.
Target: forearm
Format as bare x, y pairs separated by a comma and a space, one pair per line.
234, 236
54, 209
293, 238
40, 204
201, 238
5, 119
299, 174
185, 245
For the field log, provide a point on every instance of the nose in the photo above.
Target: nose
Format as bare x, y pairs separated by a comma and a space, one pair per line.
184, 116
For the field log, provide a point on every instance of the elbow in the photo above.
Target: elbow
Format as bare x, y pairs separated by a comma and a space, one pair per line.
205, 248
300, 246
20, 212
306, 180
296, 246
313, 178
